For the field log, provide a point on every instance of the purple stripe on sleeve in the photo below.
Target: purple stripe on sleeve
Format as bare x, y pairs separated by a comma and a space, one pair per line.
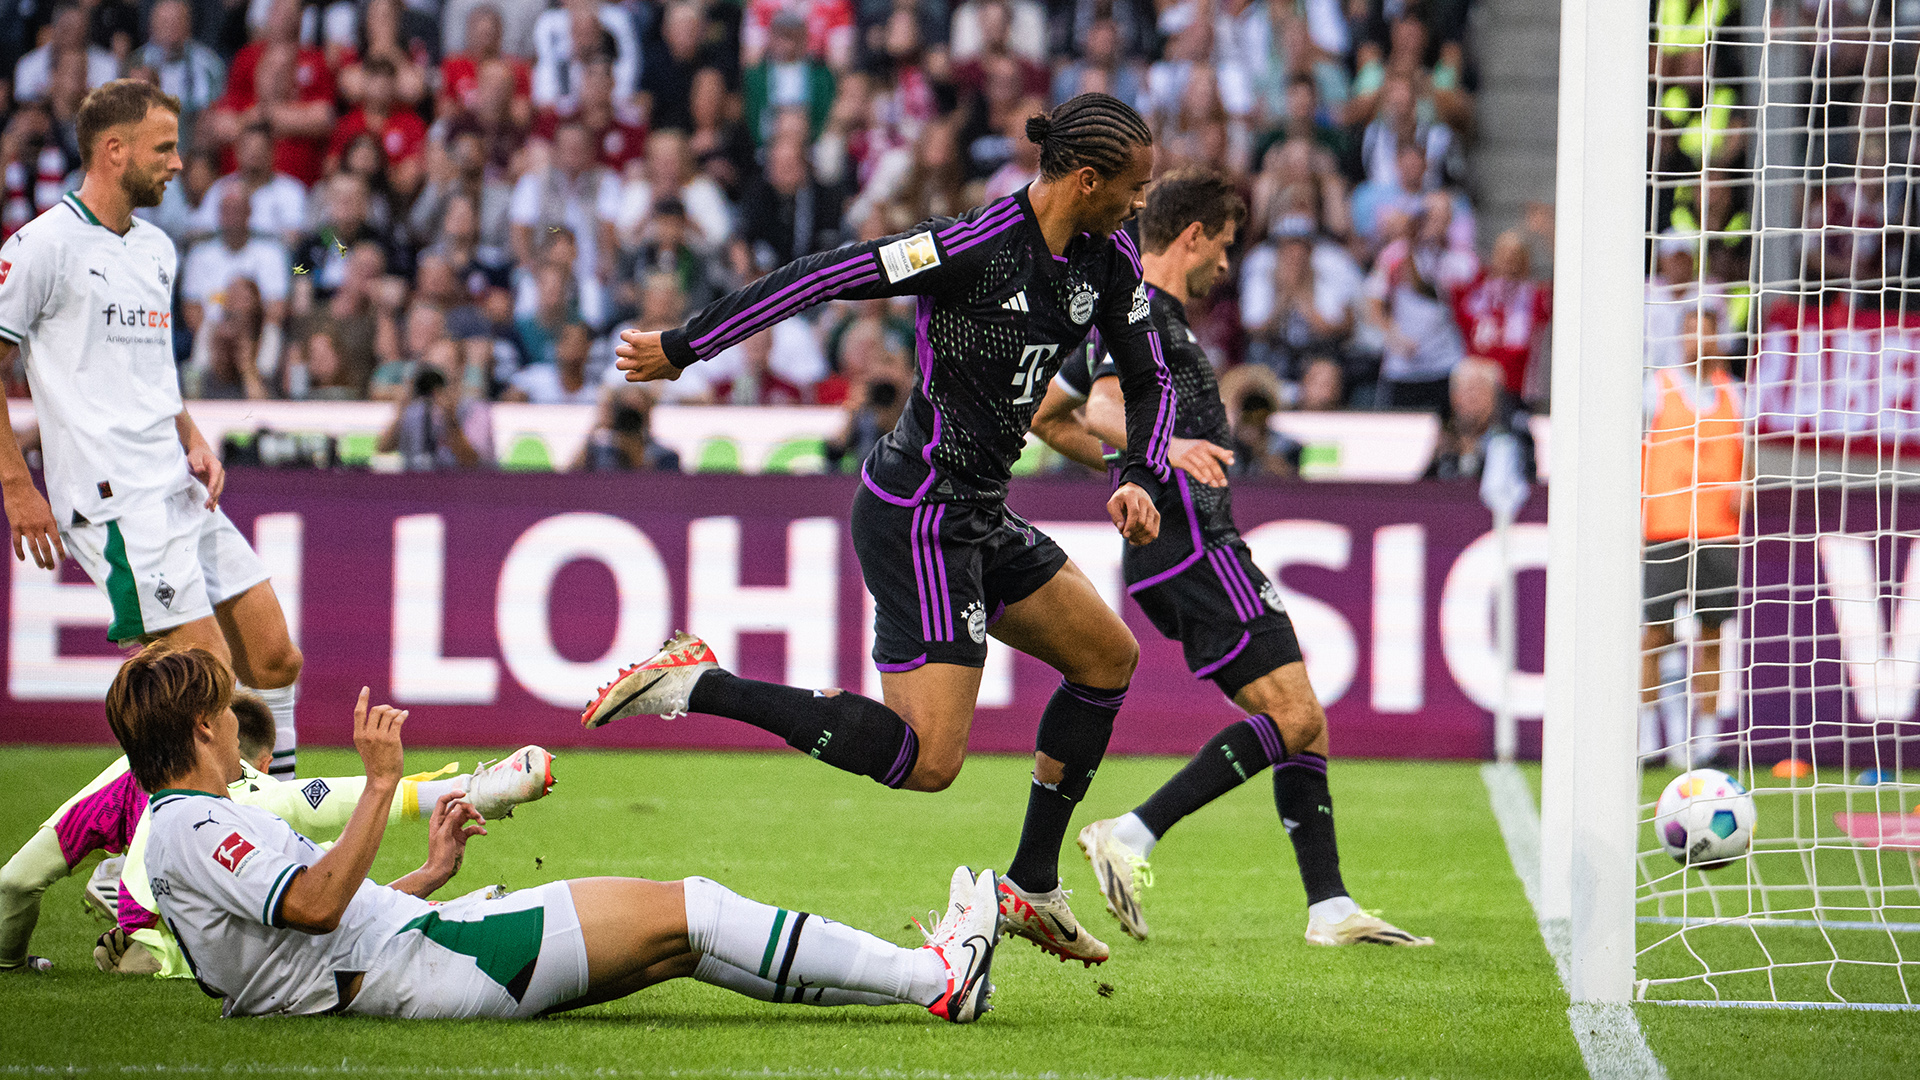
991, 216
884, 495
923, 347
919, 574
1125, 243
1225, 660
940, 562
1269, 737
903, 765
803, 283
981, 237
908, 666
850, 280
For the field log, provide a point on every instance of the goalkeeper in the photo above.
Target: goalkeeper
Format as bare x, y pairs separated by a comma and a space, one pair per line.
110, 814
274, 925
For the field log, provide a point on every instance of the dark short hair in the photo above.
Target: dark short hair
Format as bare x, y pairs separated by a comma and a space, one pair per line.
1183, 197
1094, 129
154, 702
379, 65
257, 731
122, 101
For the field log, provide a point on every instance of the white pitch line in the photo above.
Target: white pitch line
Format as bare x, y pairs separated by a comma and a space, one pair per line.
1609, 1035
562, 1072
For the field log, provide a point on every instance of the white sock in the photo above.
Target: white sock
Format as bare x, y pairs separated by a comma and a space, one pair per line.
1133, 832
1649, 730
716, 972
280, 702
1332, 909
431, 790
797, 951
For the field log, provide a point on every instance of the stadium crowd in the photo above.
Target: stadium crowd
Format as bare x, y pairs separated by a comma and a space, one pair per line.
449, 203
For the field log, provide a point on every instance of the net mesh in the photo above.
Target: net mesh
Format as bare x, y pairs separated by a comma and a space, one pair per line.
1781, 639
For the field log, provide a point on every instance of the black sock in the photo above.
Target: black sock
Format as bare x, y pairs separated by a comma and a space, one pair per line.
1306, 809
1228, 760
1074, 731
847, 731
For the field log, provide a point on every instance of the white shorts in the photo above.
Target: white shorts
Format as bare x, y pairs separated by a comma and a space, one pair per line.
510, 958
166, 563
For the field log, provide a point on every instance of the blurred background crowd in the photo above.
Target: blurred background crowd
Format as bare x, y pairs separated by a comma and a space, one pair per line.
452, 203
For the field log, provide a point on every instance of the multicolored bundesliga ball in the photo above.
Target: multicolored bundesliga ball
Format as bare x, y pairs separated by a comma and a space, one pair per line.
1705, 819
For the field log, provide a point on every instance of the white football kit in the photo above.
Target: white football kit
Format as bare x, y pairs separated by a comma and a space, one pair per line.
92, 313
219, 872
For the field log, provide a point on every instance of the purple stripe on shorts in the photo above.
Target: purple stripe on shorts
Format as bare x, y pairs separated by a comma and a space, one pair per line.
1173, 571
1230, 562
908, 666
925, 541
1309, 762
1093, 695
1226, 583
824, 291
884, 495
803, 283
1186, 501
903, 765
940, 563
1269, 737
1225, 660
919, 574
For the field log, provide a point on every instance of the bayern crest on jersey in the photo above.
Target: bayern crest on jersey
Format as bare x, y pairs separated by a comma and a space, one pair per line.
1080, 309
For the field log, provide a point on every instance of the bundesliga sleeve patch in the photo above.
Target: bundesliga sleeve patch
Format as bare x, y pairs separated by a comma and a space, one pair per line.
233, 852
904, 258
1138, 313
5, 269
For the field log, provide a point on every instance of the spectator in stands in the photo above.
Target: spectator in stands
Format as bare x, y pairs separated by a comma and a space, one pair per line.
236, 255
666, 83
479, 266
1022, 166
1258, 450
907, 97
615, 128
666, 248
750, 379
1504, 312
1289, 313
187, 69
399, 132
277, 203
563, 382
1323, 384
1397, 123
881, 383
566, 37
405, 39
788, 214
1299, 188
1099, 53
502, 119
404, 349
669, 173
1480, 409
351, 314
571, 193
718, 142
227, 361
461, 173
623, 440
1398, 195
825, 29
517, 18
67, 33
479, 51
315, 371
1409, 299
435, 425
984, 27
323, 254
288, 86
180, 211
998, 57
928, 181
787, 77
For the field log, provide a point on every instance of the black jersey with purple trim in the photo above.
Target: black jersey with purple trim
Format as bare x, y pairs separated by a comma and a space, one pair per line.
998, 313
1193, 516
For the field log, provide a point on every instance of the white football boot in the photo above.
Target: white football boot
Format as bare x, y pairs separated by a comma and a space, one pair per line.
496, 787
658, 686
1121, 873
964, 941
1047, 921
1357, 928
103, 888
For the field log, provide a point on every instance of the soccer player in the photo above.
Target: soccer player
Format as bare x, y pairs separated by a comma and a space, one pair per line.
110, 814
274, 925
86, 292
1006, 291
1200, 586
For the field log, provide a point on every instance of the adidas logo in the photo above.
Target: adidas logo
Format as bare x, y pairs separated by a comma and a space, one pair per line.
1016, 302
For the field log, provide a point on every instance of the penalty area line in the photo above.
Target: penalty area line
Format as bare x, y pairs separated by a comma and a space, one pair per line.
1611, 1042
562, 1072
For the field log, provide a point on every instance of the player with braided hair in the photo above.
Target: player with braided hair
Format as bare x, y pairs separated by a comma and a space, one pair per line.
1006, 292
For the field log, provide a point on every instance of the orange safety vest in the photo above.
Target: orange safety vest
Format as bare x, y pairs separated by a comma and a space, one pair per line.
1680, 502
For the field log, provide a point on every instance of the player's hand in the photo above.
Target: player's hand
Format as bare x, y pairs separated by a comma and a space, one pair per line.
642, 358
206, 468
34, 528
1134, 514
453, 823
1201, 459
376, 736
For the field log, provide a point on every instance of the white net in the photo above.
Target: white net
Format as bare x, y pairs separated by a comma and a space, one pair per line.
1781, 638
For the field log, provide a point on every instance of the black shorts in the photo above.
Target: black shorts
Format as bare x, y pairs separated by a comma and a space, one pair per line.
1224, 613
941, 573
1707, 575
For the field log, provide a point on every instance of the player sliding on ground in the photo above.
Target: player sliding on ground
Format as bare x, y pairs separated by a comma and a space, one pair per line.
110, 814
86, 292
274, 925
1006, 291
1199, 585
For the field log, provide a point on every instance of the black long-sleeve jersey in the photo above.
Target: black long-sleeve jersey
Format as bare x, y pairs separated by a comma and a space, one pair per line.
998, 312
1193, 516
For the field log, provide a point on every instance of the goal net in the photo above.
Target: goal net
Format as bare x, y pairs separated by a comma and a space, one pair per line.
1781, 638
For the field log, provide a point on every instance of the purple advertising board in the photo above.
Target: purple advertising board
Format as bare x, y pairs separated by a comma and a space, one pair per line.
492, 606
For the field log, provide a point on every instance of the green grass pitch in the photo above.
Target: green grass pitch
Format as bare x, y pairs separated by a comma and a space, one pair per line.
1226, 988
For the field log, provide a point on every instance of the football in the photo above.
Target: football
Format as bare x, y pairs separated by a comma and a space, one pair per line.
1705, 819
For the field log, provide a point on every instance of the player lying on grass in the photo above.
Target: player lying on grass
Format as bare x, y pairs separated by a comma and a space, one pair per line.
1199, 585
274, 925
1005, 292
110, 814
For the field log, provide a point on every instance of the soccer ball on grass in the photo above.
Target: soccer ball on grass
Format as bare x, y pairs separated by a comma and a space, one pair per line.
1705, 819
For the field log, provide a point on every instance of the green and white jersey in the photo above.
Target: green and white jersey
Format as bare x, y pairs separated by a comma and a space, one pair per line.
92, 313
219, 872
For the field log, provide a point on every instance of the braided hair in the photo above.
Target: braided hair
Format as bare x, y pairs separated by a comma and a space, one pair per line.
1097, 130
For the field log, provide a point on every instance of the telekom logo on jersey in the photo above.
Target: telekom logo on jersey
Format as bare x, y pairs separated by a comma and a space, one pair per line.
139, 315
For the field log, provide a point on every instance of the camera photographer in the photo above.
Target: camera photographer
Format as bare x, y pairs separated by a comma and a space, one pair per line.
436, 426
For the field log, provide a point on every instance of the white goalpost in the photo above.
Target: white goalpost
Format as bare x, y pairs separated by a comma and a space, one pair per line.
1769, 150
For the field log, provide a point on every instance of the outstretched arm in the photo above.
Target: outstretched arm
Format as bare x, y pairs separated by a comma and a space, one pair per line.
318, 896
1061, 424
1198, 458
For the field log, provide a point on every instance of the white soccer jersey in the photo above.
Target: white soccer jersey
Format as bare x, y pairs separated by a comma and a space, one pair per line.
92, 313
219, 872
